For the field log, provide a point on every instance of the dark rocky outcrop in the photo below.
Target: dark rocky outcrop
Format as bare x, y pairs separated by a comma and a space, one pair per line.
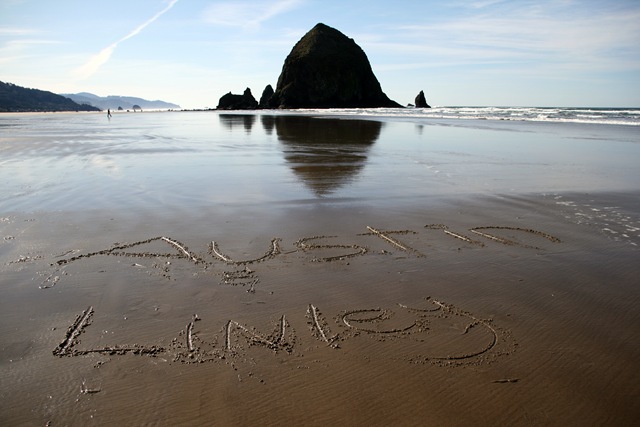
326, 69
246, 101
421, 101
267, 93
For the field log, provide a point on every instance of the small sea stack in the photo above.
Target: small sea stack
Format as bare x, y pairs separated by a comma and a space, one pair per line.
231, 101
421, 101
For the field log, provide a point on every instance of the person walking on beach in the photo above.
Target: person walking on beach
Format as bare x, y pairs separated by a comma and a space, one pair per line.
108, 113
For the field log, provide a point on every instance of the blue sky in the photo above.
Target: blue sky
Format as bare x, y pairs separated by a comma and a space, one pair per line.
191, 52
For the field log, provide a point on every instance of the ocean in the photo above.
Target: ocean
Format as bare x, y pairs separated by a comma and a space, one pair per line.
617, 116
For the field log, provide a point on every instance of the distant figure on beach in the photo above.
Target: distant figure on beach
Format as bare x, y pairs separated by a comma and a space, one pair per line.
108, 113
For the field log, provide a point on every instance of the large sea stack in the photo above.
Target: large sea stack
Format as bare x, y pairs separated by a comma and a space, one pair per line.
327, 69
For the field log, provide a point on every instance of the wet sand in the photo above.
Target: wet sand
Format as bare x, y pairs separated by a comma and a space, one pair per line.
499, 308
484, 311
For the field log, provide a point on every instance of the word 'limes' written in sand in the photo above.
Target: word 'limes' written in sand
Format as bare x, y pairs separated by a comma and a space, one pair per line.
430, 332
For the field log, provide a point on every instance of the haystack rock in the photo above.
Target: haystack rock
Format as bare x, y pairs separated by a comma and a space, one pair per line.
246, 101
327, 69
421, 101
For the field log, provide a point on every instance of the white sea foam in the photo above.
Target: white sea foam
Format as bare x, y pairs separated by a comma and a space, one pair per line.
617, 116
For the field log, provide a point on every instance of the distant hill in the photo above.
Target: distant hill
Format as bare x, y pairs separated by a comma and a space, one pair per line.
113, 102
14, 98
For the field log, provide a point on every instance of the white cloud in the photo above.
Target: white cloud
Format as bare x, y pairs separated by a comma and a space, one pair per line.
96, 61
12, 31
484, 3
529, 37
247, 14
141, 27
15, 51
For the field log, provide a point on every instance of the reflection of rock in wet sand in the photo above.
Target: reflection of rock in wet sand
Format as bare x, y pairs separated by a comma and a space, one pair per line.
268, 123
326, 153
238, 120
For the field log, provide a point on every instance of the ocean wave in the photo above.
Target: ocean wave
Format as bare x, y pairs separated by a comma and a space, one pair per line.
614, 116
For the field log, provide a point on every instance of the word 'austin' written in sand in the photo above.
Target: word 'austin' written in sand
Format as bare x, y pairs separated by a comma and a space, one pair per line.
504, 235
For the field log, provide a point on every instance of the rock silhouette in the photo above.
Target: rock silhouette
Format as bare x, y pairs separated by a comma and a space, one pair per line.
267, 93
421, 101
230, 101
326, 69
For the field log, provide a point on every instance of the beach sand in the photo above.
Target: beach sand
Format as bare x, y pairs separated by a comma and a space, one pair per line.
451, 309
405, 325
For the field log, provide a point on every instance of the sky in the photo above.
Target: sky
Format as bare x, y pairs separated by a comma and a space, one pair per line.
461, 53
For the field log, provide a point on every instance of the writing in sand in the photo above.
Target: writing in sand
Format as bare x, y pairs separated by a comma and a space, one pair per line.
430, 331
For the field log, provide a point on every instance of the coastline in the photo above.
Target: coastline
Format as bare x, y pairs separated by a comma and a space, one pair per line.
617, 116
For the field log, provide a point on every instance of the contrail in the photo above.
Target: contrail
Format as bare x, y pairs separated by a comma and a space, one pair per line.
96, 61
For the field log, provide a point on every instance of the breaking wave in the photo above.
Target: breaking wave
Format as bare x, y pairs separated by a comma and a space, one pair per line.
613, 116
